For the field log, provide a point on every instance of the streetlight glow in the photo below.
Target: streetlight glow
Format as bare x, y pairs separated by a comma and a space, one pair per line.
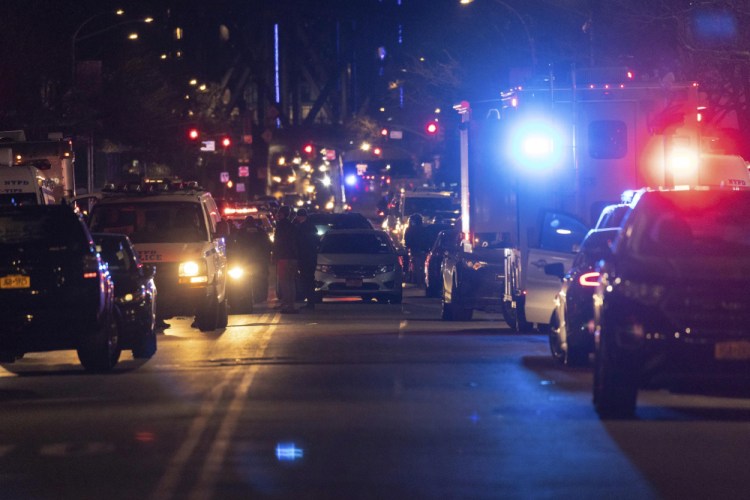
133, 36
148, 20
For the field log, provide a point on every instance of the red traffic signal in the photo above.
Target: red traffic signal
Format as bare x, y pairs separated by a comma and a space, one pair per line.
377, 151
193, 134
226, 142
309, 149
431, 128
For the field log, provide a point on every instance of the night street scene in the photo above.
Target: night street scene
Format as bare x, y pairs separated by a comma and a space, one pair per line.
374, 249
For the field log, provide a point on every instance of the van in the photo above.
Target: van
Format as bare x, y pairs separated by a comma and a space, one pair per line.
25, 185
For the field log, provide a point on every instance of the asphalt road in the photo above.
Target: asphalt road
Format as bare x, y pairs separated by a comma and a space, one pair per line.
354, 401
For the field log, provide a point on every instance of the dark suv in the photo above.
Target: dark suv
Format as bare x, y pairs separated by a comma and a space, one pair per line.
672, 300
55, 292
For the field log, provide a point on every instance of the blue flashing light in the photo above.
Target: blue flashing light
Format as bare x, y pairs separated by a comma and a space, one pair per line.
288, 452
537, 144
351, 180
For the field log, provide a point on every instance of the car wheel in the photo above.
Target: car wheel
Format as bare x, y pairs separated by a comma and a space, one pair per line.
555, 342
145, 346
99, 351
615, 384
207, 318
223, 316
515, 317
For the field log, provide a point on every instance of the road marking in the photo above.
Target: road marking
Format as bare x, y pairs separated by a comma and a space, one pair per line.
170, 480
216, 455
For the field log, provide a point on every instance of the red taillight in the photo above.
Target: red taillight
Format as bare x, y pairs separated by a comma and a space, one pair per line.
90, 267
589, 279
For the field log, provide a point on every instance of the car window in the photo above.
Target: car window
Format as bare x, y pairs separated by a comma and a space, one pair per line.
114, 253
158, 222
372, 243
44, 230
691, 223
561, 232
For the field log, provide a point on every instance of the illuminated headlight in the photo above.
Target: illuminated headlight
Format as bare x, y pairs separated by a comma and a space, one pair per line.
329, 205
236, 272
324, 268
276, 179
386, 269
291, 179
193, 272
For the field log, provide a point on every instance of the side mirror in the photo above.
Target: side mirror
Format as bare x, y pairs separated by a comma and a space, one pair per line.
556, 269
148, 270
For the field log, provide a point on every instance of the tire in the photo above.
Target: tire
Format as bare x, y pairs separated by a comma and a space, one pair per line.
145, 347
615, 383
223, 318
207, 318
555, 343
515, 317
99, 351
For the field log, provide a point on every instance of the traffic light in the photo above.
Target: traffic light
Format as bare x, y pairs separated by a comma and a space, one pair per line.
308, 149
226, 142
377, 151
432, 128
193, 134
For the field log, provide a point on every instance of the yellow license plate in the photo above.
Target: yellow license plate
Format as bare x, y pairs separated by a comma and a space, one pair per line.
732, 351
15, 281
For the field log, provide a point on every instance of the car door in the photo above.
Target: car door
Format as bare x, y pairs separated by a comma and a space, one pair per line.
560, 236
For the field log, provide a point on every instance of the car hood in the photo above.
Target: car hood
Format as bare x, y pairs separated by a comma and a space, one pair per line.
356, 259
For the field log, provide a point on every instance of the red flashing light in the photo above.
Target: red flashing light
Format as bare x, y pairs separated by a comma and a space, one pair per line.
193, 134
589, 279
377, 151
431, 128
384, 132
226, 142
308, 149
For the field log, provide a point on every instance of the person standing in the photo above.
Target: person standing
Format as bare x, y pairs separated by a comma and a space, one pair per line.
286, 253
308, 255
258, 245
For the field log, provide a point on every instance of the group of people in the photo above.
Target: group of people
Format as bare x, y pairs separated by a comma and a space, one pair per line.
294, 251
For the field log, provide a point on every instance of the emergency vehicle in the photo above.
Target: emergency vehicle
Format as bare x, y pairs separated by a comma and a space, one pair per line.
49, 162
25, 185
177, 227
538, 166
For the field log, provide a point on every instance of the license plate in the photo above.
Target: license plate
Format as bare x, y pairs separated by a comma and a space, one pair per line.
732, 351
15, 281
354, 283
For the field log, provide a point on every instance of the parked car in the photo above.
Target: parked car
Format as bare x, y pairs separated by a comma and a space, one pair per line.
135, 293
571, 332
672, 300
325, 221
55, 291
360, 262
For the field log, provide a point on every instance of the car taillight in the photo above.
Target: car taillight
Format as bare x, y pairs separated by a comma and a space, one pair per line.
91, 267
589, 279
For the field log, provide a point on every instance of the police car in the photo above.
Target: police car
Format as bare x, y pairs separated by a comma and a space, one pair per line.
177, 227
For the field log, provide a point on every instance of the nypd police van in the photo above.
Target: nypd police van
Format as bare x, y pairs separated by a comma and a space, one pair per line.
177, 228
25, 185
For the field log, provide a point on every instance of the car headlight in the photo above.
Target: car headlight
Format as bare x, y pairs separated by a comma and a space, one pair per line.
193, 271
324, 268
236, 272
389, 268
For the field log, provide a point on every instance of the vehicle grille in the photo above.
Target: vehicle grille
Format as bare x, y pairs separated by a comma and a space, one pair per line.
723, 308
355, 271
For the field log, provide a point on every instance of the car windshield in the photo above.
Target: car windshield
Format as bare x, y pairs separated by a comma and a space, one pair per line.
365, 243
428, 205
690, 223
151, 222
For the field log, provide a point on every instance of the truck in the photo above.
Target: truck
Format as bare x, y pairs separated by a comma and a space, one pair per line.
40, 172
539, 164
